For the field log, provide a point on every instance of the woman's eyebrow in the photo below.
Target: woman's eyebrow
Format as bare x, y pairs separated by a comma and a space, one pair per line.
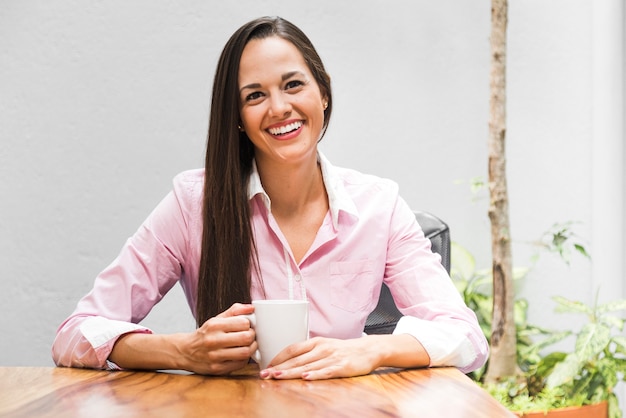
291, 74
284, 77
250, 86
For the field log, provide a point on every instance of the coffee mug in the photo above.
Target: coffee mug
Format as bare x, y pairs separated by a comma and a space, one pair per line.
277, 324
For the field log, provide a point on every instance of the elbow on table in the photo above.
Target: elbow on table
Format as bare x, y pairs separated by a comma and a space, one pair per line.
71, 349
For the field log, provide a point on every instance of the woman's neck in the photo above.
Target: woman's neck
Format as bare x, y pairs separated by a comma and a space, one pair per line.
292, 188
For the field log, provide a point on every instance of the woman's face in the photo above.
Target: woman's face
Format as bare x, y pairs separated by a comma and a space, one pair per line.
281, 105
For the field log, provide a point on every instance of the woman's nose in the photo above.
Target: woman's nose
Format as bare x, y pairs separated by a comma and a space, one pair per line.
279, 105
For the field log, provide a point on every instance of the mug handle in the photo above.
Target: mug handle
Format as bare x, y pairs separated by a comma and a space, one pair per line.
257, 354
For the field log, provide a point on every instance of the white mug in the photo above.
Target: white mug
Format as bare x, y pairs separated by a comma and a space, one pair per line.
277, 324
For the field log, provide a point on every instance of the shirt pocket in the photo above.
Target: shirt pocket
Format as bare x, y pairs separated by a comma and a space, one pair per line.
351, 284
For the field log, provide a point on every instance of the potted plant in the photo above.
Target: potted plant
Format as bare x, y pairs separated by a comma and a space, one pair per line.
587, 375
556, 384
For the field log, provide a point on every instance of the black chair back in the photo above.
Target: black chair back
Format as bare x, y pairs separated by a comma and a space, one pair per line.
385, 316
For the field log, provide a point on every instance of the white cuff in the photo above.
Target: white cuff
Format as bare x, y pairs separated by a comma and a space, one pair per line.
112, 366
445, 343
99, 330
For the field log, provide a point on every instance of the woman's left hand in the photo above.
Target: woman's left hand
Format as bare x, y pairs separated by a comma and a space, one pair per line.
322, 358
326, 358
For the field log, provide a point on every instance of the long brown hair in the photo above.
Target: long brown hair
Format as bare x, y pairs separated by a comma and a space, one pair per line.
228, 248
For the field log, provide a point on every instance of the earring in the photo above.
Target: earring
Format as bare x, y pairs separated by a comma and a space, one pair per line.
325, 105
240, 128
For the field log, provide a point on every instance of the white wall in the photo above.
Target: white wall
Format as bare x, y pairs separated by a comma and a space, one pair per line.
102, 103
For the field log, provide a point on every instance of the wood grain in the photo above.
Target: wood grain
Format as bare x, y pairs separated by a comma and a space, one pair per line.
63, 392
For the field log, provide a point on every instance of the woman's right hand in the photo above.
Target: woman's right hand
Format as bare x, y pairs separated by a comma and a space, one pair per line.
221, 345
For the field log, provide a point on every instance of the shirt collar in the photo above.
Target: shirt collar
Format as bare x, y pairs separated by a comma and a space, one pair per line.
338, 198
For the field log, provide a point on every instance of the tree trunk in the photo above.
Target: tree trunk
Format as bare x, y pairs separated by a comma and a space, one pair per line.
503, 361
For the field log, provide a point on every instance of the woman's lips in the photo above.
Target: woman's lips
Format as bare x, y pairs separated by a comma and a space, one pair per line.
285, 130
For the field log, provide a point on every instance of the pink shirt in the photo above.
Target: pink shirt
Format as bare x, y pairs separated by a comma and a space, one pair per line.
368, 236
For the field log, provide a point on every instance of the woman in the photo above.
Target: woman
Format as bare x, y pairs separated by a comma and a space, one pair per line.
270, 218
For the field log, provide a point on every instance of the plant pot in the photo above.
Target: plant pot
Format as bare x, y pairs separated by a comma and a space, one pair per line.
598, 410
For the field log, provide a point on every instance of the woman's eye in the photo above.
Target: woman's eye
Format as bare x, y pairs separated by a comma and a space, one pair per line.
293, 84
254, 96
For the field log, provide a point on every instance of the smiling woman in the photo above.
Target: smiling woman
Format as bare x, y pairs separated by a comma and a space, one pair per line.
269, 217
282, 106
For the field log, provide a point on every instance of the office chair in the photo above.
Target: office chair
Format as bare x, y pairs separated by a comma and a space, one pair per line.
385, 316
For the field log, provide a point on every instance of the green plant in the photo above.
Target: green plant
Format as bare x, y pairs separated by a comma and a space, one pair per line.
561, 239
475, 285
598, 362
586, 375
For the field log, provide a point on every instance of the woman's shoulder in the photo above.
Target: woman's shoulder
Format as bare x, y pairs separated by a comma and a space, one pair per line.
188, 188
193, 176
352, 178
190, 180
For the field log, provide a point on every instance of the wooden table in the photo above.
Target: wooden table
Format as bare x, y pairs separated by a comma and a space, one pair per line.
63, 392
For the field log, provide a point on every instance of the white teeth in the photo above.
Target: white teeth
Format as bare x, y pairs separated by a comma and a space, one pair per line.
284, 129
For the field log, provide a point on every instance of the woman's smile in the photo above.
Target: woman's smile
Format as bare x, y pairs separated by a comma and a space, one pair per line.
286, 130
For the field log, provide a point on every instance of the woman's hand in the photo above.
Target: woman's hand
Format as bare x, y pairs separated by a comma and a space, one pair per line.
326, 358
221, 345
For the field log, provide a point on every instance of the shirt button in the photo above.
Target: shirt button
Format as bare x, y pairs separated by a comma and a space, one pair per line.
298, 277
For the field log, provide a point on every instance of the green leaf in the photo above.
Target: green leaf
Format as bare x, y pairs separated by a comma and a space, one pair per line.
620, 341
482, 280
565, 371
463, 262
520, 272
620, 366
582, 250
614, 410
520, 308
552, 339
583, 386
566, 305
612, 321
560, 239
592, 339
607, 369
615, 306
548, 363
530, 329
477, 184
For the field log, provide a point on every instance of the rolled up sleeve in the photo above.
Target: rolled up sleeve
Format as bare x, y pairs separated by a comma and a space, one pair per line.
150, 263
435, 313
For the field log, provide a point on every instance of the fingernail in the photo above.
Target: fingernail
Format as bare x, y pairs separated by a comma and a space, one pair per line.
264, 374
277, 373
305, 375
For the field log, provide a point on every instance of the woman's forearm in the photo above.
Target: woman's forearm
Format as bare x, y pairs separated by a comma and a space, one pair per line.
221, 345
148, 351
399, 350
